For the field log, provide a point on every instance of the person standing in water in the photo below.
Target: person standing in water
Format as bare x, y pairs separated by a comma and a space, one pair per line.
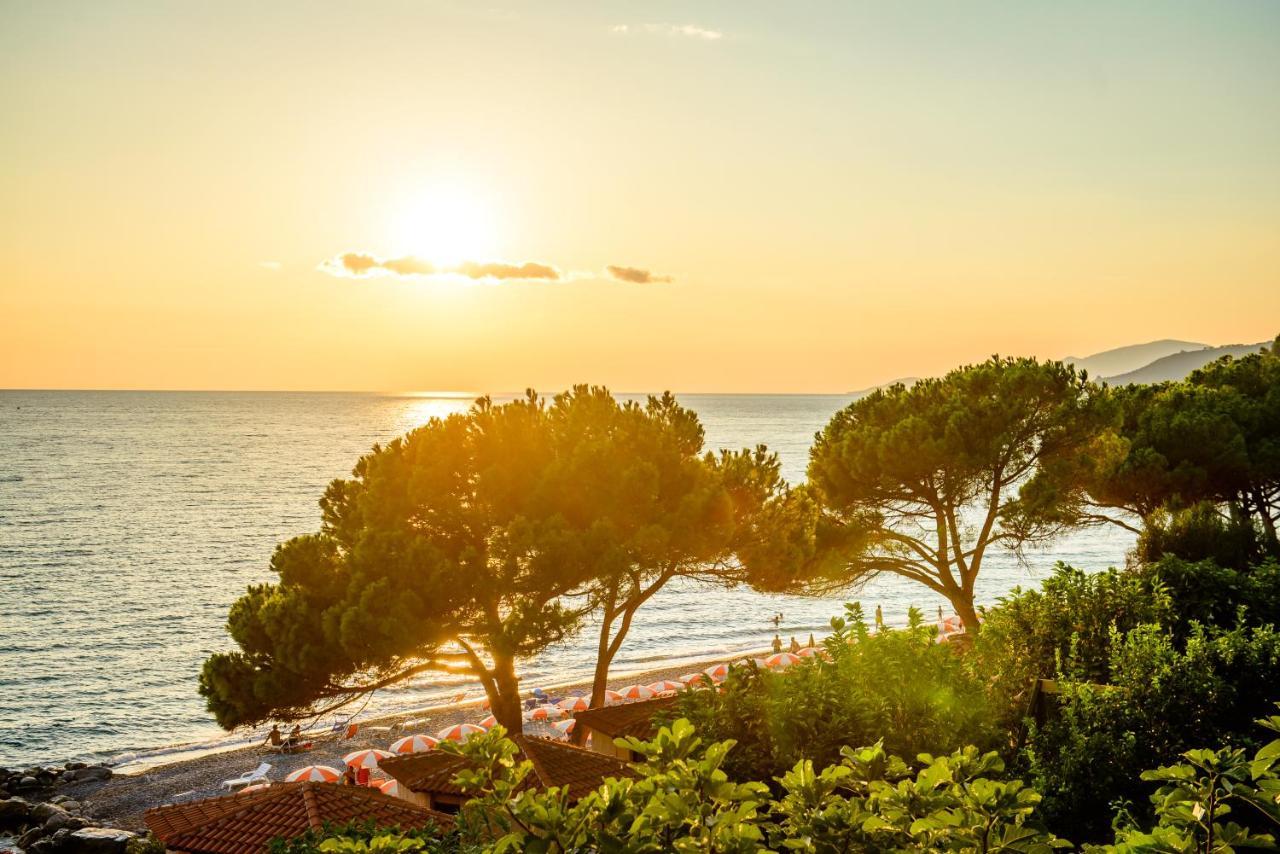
795, 645
879, 619
777, 643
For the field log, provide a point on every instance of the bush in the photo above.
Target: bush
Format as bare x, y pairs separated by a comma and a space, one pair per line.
1073, 614
1162, 701
364, 837
899, 686
1198, 533
1213, 595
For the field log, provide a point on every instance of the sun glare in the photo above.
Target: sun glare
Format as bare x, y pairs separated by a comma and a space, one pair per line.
445, 226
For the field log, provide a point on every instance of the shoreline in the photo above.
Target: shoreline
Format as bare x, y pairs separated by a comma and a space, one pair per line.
124, 799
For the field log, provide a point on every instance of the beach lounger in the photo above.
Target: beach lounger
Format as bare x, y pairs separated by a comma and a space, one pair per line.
257, 775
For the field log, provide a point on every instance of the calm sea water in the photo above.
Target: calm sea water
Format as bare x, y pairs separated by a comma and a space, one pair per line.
129, 522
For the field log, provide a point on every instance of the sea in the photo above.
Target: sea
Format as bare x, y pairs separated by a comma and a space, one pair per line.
130, 521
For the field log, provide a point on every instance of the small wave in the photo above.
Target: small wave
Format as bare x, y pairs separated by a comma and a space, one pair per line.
11, 478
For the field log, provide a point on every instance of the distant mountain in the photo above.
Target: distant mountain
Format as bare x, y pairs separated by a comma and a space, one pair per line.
1122, 360
863, 392
1179, 365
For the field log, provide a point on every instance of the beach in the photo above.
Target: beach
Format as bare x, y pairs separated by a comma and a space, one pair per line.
122, 800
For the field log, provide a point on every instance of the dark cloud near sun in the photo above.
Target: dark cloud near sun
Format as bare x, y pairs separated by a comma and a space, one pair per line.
635, 275
499, 270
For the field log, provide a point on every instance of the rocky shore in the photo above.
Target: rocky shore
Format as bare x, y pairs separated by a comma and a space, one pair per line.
42, 811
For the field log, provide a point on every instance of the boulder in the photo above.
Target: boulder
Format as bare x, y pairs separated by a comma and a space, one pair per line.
98, 840
28, 782
26, 840
42, 812
14, 812
89, 772
62, 821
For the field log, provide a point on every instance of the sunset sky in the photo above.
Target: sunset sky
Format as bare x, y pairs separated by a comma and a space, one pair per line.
698, 195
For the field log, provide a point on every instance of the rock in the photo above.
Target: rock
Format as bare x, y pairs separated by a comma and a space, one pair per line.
75, 766
89, 772
25, 840
98, 840
13, 812
28, 782
70, 805
42, 812
60, 821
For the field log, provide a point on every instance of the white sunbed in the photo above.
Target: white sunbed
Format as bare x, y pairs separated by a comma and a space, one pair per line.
257, 775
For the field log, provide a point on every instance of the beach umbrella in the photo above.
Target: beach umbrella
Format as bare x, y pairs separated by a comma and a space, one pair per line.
414, 744
389, 787
256, 787
779, 660
315, 774
807, 652
366, 758
637, 692
718, 673
459, 732
693, 678
489, 722
613, 698
666, 686
759, 662
565, 727
574, 704
545, 713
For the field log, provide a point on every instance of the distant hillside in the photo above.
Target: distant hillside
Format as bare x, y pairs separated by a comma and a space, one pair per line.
1179, 365
1121, 360
863, 392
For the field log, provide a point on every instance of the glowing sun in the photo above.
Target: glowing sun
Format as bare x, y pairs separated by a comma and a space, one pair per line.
444, 226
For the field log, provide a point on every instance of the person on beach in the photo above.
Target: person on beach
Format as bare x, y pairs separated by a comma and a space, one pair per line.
349, 776
795, 645
274, 738
294, 739
777, 644
879, 619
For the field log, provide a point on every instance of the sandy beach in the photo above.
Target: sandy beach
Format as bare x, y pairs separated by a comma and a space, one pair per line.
124, 799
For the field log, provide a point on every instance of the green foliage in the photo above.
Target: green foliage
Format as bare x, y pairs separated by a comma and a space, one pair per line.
1071, 617
1162, 701
364, 837
144, 844
1198, 533
903, 469
899, 686
1213, 595
482, 538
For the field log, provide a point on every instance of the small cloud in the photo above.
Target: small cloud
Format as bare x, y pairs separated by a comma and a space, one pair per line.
692, 31
361, 264
273, 266
635, 275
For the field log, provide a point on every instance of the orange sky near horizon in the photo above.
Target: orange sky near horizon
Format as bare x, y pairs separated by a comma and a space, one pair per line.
839, 193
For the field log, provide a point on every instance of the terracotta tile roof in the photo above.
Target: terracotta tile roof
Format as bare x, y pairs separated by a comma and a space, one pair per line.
626, 719
245, 823
554, 764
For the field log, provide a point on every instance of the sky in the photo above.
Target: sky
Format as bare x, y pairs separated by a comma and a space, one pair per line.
699, 196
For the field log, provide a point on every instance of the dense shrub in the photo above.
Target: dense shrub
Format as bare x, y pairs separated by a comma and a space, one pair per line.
1213, 595
1073, 614
899, 686
364, 837
1162, 700
1199, 533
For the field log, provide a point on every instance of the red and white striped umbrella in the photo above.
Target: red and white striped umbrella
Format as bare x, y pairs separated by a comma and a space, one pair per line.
637, 692
367, 758
693, 678
489, 722
807, 651
666, 686
390, 787
459, 732
762, 663
717, 673
574, 704
315, 774
779, 660
413, 744
565, 727
613, 698
545, 713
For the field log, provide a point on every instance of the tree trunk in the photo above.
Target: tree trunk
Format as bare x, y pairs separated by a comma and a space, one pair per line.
963, 603
504, 695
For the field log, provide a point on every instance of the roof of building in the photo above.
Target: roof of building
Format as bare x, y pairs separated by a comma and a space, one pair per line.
244, 823
554, 764
626, 719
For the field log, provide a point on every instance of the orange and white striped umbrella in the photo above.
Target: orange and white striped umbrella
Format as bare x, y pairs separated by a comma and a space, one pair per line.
574, 704
613, 698
545, 713
666, 686
413, 744
762, 663
390, 787
717, 673
565, 727
315, 774
459, 732
256, 787
693, 678
779, 660
807, 651
488, 723
367, 758
637, 692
